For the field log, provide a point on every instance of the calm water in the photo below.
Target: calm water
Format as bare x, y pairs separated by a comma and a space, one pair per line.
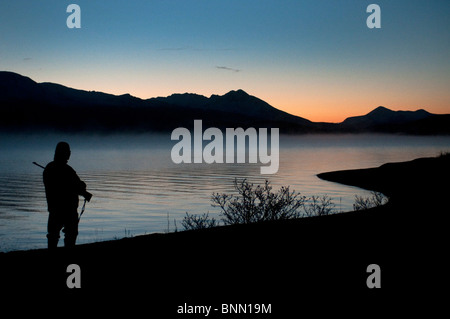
137, 189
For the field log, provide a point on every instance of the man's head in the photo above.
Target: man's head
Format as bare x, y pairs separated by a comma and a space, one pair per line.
62, 152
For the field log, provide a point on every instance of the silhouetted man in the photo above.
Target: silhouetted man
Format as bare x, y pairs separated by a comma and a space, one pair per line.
62, 188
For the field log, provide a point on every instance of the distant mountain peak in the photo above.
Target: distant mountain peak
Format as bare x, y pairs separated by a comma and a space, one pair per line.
384, 116
5, 74
239, 92
8, 77
185, 94
51, 105
380, 109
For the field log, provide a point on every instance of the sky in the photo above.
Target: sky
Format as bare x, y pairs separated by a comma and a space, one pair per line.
316, 59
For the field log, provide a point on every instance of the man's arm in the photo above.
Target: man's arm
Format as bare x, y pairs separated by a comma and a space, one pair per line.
81, 187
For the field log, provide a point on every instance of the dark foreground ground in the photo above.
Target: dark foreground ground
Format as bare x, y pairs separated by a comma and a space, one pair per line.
316, 266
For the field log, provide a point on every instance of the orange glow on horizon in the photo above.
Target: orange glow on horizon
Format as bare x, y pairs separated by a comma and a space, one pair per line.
330, 110
336, 111
311, 103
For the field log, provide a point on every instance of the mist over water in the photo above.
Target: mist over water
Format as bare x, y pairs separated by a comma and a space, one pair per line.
138, 189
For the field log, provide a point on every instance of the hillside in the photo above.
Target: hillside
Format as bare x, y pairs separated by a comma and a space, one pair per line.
30, 106
383, 116
39, 106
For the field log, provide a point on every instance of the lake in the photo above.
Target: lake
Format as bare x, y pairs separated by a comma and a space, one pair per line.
139, 190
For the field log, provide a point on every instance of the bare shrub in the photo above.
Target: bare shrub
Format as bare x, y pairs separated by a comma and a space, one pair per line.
363, 203
257, 203
319, 206
260, 203
191, 222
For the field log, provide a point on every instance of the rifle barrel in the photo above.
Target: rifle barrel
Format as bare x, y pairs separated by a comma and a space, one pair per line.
38, 165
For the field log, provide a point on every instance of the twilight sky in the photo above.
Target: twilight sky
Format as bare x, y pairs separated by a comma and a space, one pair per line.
316, 59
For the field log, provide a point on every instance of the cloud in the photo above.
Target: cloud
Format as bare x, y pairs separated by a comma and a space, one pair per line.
26, 59
227, 69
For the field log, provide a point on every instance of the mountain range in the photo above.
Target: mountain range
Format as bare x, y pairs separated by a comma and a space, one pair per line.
27, 105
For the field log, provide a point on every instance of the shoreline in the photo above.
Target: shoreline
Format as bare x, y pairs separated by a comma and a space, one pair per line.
263, 262
409, 183
390, 179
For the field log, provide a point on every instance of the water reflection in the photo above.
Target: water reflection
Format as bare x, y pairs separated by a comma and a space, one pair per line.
137, 188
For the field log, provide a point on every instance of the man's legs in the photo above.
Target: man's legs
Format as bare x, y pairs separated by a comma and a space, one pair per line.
70, 229
54, 226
